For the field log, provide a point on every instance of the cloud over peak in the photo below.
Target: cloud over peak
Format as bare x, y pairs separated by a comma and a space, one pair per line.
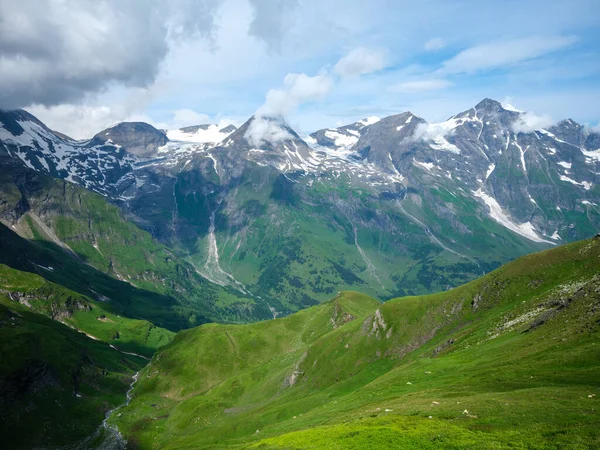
529, 122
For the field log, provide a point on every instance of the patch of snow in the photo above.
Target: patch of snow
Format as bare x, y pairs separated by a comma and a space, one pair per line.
547, 133
522, 155
593, 154
525, 229
341, 140
564, 164
369, 121
49, 268
584, 184
428, 166
490, 170
443, 145
509, 107
212, 134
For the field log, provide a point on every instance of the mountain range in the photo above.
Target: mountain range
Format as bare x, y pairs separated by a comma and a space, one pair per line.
112, 248
391, 206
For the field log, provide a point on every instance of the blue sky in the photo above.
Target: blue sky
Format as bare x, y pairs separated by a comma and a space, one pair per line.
434, 58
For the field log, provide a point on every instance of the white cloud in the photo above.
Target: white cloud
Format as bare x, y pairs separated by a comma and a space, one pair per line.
432, 131
505, 53
528, 122
361, 61
263, 129
298, 88
419, 86
435, 44
187, 117
79, 121
57, 52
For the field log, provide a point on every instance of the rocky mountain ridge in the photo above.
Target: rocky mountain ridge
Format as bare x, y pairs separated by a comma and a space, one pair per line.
404, 205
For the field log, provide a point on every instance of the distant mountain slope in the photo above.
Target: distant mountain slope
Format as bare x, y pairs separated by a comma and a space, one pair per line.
72, 229
509, 360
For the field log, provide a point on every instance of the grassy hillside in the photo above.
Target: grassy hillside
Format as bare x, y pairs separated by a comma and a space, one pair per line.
55, 383
81, 312
511, 360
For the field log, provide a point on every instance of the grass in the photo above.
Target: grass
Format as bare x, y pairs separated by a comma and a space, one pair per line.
517, 349
55, 383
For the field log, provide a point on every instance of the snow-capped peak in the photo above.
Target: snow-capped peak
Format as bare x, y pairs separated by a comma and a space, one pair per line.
208, 133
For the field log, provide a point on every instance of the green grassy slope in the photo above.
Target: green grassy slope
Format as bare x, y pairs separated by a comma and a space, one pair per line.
81, 312
55, 383
511, 360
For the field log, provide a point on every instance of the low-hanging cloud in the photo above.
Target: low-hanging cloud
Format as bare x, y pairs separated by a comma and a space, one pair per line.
266, 129
431, 131
529, 122
361, 61
298, 88
57, 52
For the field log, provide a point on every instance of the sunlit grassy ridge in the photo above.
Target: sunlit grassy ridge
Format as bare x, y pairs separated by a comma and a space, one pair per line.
509, 360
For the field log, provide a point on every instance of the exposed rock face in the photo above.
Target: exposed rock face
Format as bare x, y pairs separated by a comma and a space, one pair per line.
137, 138
375, 326
296, 373
340, 317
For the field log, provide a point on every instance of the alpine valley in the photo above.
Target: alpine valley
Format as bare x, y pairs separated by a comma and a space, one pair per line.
253, 243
